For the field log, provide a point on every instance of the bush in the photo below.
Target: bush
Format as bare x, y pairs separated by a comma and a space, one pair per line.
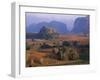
45, 46
84, 55
28, 47
66, 43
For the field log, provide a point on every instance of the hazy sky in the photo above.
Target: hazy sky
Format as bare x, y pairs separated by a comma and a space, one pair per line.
35, 18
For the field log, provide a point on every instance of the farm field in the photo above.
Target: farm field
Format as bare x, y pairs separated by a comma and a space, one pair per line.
39, 55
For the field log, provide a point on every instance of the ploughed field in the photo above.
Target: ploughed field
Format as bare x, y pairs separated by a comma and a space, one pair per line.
65, 50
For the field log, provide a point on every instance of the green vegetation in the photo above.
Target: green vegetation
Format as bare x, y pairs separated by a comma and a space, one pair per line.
66, 43
84, 55
28, 47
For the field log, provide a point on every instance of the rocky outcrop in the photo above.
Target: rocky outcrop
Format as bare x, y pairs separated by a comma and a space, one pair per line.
81, 25
47, 33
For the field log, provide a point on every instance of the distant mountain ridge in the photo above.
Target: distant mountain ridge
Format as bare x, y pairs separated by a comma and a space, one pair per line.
44, 33
81, 25
59, 26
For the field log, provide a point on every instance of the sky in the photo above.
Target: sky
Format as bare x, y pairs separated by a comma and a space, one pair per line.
35, 18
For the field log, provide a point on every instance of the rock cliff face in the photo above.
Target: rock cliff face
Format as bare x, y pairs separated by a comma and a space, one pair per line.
59, 26
81, 25
44, 33
47, 33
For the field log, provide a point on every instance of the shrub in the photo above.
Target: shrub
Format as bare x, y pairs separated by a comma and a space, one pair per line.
66, 43
28, 47
84, 55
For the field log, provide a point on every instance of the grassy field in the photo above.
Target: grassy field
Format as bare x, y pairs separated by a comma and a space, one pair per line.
39, 55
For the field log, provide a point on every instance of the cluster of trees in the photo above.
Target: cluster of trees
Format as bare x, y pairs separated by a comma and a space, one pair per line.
44, 45
28, 47
71, 43
65, 53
